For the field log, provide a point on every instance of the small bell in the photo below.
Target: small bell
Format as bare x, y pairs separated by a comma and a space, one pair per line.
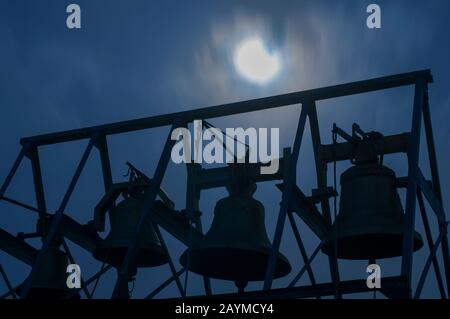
124, 218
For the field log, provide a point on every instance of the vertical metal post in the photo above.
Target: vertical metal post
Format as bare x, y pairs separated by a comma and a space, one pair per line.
435, 179
206, 280
426, 226
321, 172
102, 145
146, 210
286, 199
192, 204
56, 220
33, 155
413, 170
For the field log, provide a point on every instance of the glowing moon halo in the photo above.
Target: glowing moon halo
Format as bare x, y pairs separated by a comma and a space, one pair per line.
252, 61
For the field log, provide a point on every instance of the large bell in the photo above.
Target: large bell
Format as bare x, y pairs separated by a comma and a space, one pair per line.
123, 219
370, 222
236, 246
49, 281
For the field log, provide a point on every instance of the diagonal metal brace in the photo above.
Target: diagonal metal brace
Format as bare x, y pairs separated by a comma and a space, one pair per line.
308, 212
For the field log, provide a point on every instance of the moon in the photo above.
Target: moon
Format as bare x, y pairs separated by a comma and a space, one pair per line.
255, 63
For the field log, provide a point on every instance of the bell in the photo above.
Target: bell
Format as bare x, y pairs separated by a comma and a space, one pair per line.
371, 220
123, 219
236, 246
49, 282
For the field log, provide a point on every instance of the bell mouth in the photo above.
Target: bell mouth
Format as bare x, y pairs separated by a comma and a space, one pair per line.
146, 257
234, 264
369, 246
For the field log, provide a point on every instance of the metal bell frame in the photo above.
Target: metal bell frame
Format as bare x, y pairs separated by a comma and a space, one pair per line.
293, 199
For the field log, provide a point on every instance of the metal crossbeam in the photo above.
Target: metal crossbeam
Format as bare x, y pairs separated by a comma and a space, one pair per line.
344, 151
395, 286
14, 168
164, 284
430, 258
431, 197
301, 248
17, 248
329, 92
308, 212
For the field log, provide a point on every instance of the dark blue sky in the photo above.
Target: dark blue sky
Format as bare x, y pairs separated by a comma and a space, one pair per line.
142, 58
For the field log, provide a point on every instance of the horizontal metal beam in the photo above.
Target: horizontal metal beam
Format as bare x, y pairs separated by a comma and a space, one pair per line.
344, 151
234, 108
393, 286
221, 176
17, 247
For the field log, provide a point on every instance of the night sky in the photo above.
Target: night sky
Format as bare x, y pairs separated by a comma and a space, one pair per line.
141, 58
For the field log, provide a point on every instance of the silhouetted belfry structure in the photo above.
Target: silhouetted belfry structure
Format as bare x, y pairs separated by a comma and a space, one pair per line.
49, 282
370, 222
236, 247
